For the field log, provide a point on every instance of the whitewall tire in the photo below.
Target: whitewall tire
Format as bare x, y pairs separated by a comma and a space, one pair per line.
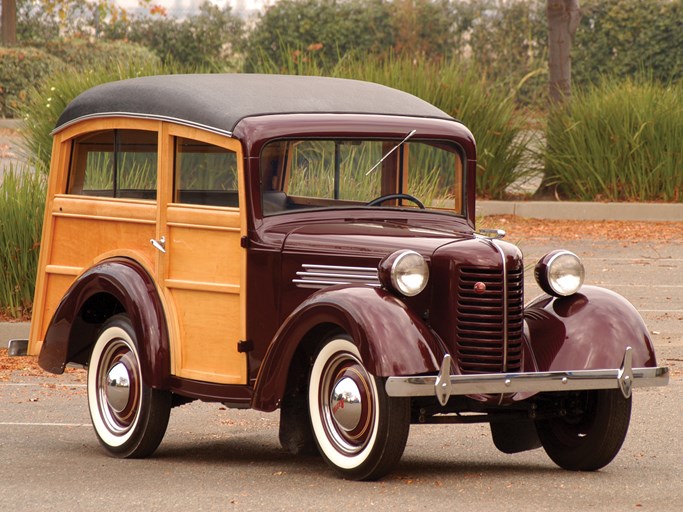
360, 431
129, 418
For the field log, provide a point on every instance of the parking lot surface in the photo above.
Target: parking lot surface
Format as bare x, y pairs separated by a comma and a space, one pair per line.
213, 458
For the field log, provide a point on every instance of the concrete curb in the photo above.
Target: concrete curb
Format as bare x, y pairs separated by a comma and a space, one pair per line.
13, 331
12, 124
559, 210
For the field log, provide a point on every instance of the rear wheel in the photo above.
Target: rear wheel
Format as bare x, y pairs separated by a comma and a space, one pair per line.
360, 431
590, 433
130, 418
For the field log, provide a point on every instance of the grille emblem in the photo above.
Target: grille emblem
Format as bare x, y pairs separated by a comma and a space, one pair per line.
479, 288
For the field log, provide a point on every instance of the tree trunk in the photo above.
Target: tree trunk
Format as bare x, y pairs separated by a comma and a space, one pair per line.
563, 20
9, 22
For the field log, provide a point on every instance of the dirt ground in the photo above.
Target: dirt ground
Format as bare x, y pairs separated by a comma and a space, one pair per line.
522, 228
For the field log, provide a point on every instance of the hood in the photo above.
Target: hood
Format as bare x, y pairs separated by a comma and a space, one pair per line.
369, 239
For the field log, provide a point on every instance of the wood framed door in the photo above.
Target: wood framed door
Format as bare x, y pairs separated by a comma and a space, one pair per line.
201, 262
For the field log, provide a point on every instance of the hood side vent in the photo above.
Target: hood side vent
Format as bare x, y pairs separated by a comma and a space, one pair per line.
322, 276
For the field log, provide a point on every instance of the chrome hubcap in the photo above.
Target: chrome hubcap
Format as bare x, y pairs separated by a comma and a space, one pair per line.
118, 387
346, 404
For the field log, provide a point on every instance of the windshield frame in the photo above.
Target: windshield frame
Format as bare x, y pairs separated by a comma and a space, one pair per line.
275, 171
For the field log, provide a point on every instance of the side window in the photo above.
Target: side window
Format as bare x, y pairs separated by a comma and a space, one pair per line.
205, 174
115, 163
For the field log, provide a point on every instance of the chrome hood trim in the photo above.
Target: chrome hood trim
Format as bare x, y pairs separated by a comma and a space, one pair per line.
321, 276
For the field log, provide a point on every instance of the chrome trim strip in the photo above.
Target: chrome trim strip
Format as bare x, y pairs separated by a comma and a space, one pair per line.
444, 386
136, 115
505, 305
334, 276
367, 270
321, 276
306, 283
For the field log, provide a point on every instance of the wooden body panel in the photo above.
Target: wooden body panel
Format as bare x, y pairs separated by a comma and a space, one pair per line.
202, 275
200, 278
85, 228
203, 279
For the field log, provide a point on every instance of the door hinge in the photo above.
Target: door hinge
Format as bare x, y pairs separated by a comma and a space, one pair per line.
244, 242
245, 346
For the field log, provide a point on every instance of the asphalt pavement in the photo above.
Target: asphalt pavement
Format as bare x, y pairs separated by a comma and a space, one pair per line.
213, 458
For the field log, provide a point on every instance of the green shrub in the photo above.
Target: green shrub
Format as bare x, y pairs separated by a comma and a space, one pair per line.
85, 55
45, 102
508, 42
626, 37
619, 141
22, 201
329, 28
20, 69
208, 40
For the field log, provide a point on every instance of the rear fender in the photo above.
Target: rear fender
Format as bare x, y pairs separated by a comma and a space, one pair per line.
391, 339
589, 330
118, 285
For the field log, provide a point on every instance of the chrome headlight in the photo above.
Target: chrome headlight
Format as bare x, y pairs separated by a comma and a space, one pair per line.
404, 271
559, 273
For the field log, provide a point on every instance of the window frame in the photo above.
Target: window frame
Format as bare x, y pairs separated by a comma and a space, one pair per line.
76, 167
394, 178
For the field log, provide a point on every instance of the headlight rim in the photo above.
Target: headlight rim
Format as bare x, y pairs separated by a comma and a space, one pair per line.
543, 269
389, 273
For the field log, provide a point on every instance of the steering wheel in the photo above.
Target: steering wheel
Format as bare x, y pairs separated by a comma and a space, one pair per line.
389, 197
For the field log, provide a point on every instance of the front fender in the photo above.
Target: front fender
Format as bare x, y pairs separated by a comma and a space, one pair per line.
69, 337
391, 339
589, 330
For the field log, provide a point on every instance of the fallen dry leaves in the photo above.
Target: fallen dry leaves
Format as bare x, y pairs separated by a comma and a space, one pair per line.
522, 228
25, 365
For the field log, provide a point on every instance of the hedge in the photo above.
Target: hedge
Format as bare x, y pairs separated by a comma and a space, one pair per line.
21, 69
618, 141
86, 55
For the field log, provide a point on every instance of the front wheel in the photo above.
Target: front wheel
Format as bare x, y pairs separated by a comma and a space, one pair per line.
590, 433
130, 418
360, 431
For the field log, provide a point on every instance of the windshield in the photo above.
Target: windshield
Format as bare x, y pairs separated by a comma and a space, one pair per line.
319, 173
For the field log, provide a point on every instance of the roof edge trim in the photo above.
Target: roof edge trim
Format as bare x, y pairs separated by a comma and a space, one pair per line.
133, 115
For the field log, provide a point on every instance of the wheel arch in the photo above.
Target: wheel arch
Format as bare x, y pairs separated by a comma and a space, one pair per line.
110, 287
391, 339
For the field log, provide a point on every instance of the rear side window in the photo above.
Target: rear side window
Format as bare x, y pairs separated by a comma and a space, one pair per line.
115, 163
205, 174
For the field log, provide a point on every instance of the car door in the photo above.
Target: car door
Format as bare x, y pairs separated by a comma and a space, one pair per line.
201, 263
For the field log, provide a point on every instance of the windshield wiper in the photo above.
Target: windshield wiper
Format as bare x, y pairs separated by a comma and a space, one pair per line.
391, 151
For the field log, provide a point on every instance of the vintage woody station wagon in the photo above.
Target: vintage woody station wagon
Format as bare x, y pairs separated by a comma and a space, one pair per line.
309, 244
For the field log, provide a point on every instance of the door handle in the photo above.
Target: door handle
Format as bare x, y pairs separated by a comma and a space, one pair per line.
160, 244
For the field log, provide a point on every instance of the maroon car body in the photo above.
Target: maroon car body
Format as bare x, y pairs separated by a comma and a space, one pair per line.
361, 315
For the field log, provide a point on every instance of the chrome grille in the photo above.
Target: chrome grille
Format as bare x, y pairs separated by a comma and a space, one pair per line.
479, 322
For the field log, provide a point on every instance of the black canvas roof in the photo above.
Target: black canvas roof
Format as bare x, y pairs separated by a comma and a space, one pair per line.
219, 101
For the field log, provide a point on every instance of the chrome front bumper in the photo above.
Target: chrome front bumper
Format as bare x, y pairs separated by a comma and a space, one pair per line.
444, 385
